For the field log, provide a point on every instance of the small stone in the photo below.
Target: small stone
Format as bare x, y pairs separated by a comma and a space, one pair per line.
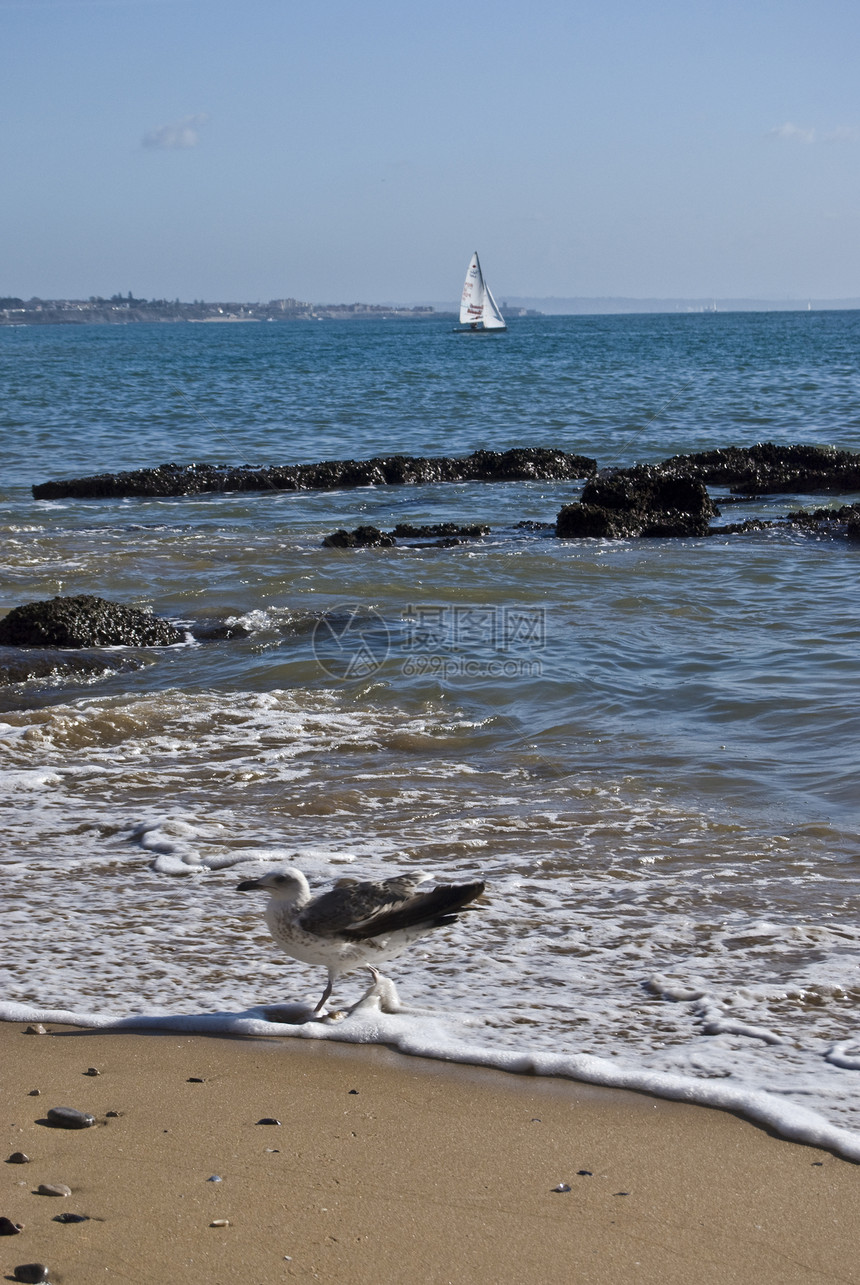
36, 1029
8, 1228
216, 1177
92, 1071
112, 1115
195, 1079
53, 1189
31, 1272
220, 1222
621, 1193
584, 1173
71, 1218
35, 1093
69, 1118
562, 1186
354, 1091
268, 1119
18, 1158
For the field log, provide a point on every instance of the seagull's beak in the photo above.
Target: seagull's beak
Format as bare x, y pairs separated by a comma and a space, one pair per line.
249, 885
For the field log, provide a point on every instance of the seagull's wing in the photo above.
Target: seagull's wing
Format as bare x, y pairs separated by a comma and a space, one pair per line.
378, 915
350, 903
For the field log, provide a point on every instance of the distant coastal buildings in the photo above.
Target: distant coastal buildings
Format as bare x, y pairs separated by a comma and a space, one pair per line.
125, 310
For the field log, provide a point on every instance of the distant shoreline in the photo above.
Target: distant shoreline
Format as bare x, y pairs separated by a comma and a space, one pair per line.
127, 310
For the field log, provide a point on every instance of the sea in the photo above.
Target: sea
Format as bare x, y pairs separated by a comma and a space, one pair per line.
647, 748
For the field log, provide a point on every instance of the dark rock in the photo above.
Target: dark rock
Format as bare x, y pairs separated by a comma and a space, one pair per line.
84, 621
31, 1273
92, 1071
53, 1189
268, 1119
71, 1218
69, 1118
112, 1115
362, 537
392, 470
18, 1158
767, 468
638, 502
218, 631
195, 1079
405, 530
34, 1093
8, 1228
741, 528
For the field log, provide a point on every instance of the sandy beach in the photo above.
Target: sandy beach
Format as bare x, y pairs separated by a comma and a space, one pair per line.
388, 1169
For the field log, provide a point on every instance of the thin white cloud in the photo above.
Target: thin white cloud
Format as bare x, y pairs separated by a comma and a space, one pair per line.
793, 132
804, 134
179, 134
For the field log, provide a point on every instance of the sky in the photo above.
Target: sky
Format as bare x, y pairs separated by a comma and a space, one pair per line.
340, 151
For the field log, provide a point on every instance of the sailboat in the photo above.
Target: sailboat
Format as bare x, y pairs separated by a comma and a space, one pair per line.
478, 309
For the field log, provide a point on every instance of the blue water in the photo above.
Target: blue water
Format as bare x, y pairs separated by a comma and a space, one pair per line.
648, 747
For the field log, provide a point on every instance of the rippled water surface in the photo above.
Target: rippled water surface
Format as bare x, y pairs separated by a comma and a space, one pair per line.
647, 748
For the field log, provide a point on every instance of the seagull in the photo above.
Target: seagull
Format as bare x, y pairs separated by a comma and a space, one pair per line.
354, 924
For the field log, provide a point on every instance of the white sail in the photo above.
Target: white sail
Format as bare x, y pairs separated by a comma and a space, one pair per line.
492, 318
472, 301
477, 305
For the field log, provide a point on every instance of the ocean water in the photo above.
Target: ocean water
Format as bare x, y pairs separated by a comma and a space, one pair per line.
647, 748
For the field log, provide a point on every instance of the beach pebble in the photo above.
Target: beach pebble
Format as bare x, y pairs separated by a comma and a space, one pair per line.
8, 1228
18, 1158
268, 1119
53, 1189
216, 1177
562, 1186
112, 1115
35, 1093
220, 1222
32, 1272
71, 1218
91, 1070
195, 1079
69, 1118
584, 1173
36, 1029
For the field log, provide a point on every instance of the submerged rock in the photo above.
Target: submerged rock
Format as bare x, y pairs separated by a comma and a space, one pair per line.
363, 537
521, 463
84, 621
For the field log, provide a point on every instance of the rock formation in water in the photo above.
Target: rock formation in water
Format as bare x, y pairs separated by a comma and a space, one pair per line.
767, 468
443, 534
638, 501
84, 621
516, 465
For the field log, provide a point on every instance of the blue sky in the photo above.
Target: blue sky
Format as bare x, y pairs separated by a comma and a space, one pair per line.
340, 151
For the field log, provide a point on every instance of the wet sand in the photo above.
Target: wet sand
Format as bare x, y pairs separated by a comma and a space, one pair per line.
390, 1169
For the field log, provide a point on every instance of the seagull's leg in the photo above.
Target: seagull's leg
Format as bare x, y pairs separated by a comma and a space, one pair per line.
326, 994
